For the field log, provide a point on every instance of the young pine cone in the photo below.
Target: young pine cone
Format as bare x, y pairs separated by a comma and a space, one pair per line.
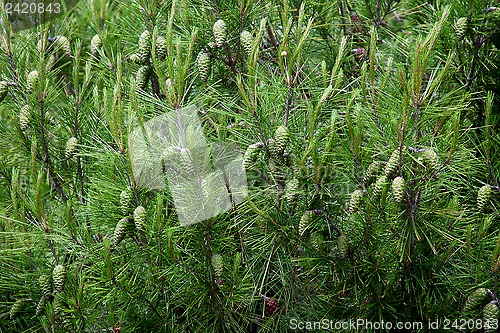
490, 317
144, 50
24, 117
45, 285
305, 221
355, 201
139, 218
372, 172
62, 43
31, 80
398, 189
57, 305
161, 47
16, 308
483, 197
42, 45
342, 245
392, 163
252, 153
203, 62
379, 187
95, 45
292, 191
217, 264
70, 147
187, 163
59, 276
142, 76
51, 62
271, 305
281, 138
431, 159
40, 307
246, 40
220, 33
134, 57
4, 89
478, 298
460, 28
316, 240
126, 197
122, 228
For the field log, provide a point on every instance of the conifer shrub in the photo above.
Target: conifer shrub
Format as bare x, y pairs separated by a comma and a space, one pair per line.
365, 139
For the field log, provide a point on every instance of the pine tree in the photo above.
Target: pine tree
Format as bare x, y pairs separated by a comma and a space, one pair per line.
349, 171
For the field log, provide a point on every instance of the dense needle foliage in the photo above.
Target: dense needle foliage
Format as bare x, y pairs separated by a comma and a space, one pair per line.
371, 147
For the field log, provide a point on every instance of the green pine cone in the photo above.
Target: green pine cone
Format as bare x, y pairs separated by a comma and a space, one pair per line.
392, 163
40, 307
4, 89
70, 147
144, 50
246, 40
292, 191
355, 201
478, 298
252, 153
142, 76
203, 63
42, 47
491, 313
126, 197
342, 245
186, 162
51, 62
139, 218
95, 45
59, 276
398, 189
31, 80
134, 57
305, 221
45, 284
57, 305
121, 230
483, 197
171, 160
161, 47
217, 264
281, 138
431, 160
316, 240
24, 117
290, 161
62, 43
220, 33
372, 172
16, 308
460, 28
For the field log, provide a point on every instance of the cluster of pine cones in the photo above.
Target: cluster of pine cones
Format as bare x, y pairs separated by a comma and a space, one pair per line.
48, 294
220, 40
145, 49
128, 225
378, 175
482, 300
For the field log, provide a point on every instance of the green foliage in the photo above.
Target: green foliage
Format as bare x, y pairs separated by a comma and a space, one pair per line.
329, 102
